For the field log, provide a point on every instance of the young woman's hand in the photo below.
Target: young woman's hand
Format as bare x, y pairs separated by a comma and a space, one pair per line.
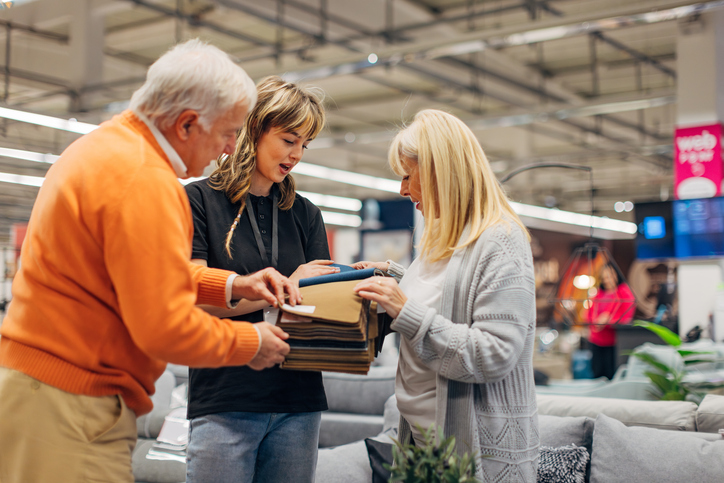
384, 291
378, 265
314, 268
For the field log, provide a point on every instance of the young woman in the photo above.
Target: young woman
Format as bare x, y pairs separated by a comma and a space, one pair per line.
248, 425
465, 307
614, 303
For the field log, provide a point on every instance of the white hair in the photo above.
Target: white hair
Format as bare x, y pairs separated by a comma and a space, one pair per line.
193, 75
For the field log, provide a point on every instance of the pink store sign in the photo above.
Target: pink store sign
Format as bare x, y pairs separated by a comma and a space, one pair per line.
698, 170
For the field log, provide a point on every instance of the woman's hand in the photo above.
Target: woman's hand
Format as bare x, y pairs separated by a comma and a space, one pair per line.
314, 268
384, 291
378, 265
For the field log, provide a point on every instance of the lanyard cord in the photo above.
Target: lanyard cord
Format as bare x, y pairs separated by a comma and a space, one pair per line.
257, 234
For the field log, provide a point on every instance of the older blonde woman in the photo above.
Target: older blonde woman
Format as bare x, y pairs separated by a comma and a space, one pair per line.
465, 308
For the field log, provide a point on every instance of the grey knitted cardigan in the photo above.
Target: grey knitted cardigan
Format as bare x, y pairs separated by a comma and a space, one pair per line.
481, 346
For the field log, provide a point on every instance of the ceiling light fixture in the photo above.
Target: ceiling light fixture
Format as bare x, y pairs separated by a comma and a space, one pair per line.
330, 201
571, 218
28, 155
355, 179
20, 179
348, 177
341, 219
70, 125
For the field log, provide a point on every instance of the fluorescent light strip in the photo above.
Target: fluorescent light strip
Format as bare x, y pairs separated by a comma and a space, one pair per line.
305, 169
330, 201
342, 219
20, 179
47, 121
348, 177
571, 218
28, 155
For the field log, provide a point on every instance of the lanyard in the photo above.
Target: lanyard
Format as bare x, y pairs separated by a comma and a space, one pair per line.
257, 234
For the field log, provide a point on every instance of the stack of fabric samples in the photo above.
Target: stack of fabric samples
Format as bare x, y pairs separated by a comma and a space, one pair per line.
335, 330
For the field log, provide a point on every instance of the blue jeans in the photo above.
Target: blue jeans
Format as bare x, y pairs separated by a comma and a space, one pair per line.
243, 447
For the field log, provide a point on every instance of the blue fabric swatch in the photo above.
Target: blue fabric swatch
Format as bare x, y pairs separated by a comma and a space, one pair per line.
345, 273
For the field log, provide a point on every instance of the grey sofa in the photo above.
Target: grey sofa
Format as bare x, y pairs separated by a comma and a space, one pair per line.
627, 440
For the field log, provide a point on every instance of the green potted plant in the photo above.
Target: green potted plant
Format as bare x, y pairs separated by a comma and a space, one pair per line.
670, 382
435, 462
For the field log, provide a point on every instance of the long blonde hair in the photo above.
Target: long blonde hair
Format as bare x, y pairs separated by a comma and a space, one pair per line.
459, 187
281, 105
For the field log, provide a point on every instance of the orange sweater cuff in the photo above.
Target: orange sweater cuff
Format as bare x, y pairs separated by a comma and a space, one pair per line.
247, 343
212, 287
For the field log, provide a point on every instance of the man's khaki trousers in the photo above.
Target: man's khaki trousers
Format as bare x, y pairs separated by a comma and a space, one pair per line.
48, 435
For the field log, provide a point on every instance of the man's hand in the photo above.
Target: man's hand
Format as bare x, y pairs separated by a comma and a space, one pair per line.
273, 348
267, 284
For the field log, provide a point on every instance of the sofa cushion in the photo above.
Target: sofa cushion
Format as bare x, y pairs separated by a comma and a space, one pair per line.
343, 464
710, 415
674, 415
150, 424
561, 431
350, 393
155, 471
379, 450
342, 428
391, 414
564, 464
638, 454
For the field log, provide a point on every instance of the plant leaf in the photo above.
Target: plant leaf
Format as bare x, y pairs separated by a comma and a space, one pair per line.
661, 382
685, 353
673, 396
697, 361
651, 360
666, 335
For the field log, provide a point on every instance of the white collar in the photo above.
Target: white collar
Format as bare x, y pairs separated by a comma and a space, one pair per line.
177, 163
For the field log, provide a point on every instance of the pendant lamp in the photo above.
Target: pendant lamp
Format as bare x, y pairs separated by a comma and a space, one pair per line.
592, 289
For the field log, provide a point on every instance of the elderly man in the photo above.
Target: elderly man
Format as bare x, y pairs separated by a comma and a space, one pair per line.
106, 293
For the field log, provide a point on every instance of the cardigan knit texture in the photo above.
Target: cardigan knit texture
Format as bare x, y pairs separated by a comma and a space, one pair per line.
480, 344
106, 294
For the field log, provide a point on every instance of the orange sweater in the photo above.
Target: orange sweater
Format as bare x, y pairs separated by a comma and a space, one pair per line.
106, 295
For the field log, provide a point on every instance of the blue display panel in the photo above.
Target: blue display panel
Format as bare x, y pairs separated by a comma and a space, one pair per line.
655, 237
699, 228
680, 229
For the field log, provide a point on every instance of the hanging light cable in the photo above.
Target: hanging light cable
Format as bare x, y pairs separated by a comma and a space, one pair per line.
582, 285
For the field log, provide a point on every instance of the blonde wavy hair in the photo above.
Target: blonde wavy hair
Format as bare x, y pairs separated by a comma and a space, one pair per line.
281, 105
459, 187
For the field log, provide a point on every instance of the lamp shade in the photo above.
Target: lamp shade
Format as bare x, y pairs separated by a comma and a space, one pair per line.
593, 289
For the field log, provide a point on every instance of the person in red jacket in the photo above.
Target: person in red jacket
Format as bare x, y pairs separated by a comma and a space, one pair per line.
614, 303
106, 294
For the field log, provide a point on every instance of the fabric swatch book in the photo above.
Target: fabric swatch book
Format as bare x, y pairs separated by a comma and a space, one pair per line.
335, 330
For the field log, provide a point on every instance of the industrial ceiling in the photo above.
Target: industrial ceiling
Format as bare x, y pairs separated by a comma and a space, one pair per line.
587, 82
